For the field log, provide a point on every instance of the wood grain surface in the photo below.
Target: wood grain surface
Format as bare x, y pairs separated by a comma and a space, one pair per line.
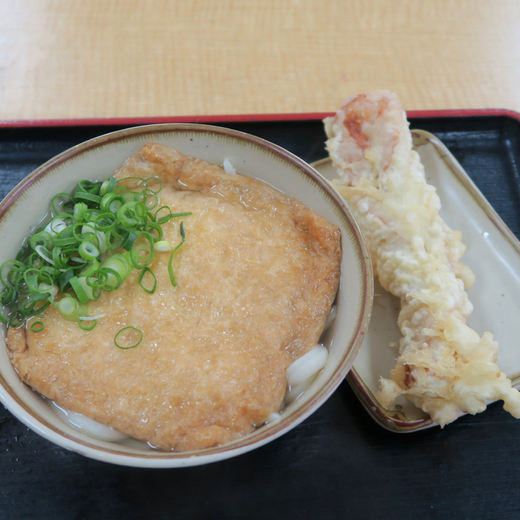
118, 58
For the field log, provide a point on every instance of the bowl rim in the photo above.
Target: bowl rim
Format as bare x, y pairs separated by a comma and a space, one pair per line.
163, 459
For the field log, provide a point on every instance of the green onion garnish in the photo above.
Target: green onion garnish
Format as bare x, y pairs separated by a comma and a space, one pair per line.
16, 319
78, 288
108, 186
153, 184
95, 238
163, 245
4, 315
69, 308
88, 251
167, 214
37, 326
62, 203
170, 261
65, 278
149, 272
87, 324
143, 250
43, 237
80, 208
86, 196
128, 337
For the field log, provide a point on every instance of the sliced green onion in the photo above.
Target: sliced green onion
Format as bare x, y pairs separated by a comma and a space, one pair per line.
66, 231
89, 186
88, 251
59, 260
155, 230
153, 184
113, 240
64, 279
44, 253
128, 337
143, 273
31, 279
126, 194
70, 308
4, 315
78, 260
69, 254
127, 214
88, 233
91, 214
143, 251
89, 197
16, 319
77, 286
93, 293
51, 272
10, 272
129, 183
45, 276
97, 279
87, 325
8, 296
163, 246
88, 318
170, 261
129, 241
34, 260
82, 232
23, 252
62, 202
141, 211
67, 306
51, 289
101, 242
111, 202
34, 304
91, 267
114, 279
185, 214
43, 238
56, 225
108, 185
37, 326
148, 198
164, 218
67, 241
105, 221
80, 209
118, 263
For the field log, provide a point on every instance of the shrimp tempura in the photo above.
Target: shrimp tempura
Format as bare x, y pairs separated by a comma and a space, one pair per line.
444, 367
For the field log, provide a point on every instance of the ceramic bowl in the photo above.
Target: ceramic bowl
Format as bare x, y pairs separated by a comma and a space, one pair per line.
97, 159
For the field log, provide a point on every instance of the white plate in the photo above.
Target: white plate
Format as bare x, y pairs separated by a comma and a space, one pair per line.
494, 255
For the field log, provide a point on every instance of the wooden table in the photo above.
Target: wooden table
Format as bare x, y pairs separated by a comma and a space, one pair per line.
121, 58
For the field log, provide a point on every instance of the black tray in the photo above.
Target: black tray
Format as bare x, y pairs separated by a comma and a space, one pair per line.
336, 464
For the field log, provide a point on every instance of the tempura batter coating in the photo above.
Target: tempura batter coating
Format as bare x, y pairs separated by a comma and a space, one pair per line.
256, 277
444, 367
